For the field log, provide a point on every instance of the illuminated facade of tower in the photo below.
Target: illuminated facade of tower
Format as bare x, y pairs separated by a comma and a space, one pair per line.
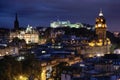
100, 27
101, 45
16, 23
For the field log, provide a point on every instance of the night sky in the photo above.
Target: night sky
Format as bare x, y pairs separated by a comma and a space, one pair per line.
42, 12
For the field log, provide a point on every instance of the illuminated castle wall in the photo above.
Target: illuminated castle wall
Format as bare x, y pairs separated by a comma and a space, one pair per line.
56, 24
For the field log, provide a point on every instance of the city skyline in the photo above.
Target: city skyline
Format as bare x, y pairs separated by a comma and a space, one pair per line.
42, 12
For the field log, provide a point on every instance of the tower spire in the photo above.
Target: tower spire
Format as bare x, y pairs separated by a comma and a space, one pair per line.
16, 22
100, 14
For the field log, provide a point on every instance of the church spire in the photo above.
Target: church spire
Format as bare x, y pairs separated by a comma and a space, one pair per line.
16, 22
100, 14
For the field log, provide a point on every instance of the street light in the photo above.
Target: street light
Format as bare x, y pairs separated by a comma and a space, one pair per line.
21, 77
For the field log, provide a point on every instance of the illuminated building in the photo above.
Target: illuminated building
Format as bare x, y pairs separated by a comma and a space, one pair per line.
8, 51
58, 23
100, 29
48, 67
30, 35
102, 44
117, 51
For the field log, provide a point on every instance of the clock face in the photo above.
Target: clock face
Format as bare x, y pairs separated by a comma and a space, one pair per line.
99, 25
101, 20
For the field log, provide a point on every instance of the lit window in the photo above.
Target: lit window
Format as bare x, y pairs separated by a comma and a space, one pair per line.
43, 52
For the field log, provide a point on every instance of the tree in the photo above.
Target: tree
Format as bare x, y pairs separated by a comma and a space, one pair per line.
9, 68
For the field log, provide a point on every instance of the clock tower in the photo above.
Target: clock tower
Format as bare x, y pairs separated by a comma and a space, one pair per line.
100, 27
101, 45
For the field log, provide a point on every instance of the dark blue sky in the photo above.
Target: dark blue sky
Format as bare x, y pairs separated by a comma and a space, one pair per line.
42, 12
